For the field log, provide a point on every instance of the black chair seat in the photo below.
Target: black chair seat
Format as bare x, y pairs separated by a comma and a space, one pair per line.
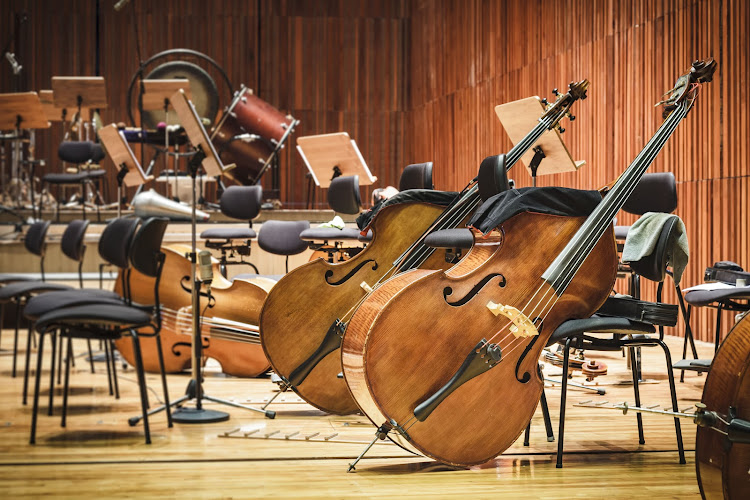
48, 302
450, 238
66, 178
222, 233
21, 288
706, 297
330, 234
6, 278
107, 314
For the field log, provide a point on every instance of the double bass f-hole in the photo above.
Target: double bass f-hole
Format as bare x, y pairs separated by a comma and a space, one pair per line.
447, 291
185, 281
329, 273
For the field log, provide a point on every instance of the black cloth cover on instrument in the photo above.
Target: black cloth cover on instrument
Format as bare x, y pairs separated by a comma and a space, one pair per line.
434, 197
543, 200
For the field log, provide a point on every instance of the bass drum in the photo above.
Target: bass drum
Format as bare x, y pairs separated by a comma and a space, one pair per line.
266, 126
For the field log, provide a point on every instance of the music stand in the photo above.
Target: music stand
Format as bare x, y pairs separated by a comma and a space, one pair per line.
130, 172
17, 110
207, 157
80, 92
518, 117
328, 156
156, 95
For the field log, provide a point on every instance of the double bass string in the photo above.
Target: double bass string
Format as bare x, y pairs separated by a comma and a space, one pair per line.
233, 332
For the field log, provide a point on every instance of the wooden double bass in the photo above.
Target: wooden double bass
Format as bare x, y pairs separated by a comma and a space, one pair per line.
306, 313
229, 328
446, 362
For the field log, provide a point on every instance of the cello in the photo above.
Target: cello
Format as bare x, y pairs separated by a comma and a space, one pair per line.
447, 360
228, 326
306, 313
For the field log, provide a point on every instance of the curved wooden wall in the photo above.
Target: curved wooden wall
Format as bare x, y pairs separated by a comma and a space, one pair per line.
417, 80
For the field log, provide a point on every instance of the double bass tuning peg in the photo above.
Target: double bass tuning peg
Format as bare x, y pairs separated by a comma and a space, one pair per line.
556, 92
544, 101
571, 117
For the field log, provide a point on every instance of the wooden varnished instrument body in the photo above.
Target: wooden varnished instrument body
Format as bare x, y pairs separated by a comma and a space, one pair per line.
723, 470
303, 305
238, 301
406, 340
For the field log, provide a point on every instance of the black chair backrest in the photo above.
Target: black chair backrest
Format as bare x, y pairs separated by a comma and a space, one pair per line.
72, 239
35, 236
343, 194
97, 153
656, 192
241, 202
654, 265
416, 176
76, 151
492, 177
281, 237
116, 239
147, 245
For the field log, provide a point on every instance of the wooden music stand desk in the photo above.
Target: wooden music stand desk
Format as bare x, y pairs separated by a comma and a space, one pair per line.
121, 154
158, 92
197, 134
79, 91
518, 117
22, 110
55, 113
330, 155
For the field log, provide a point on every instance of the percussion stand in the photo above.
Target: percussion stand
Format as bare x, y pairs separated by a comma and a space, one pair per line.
205, 155
273, 160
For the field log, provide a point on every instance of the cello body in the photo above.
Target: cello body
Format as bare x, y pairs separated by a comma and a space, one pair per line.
410, 336
303, 305
723, 468
238, 301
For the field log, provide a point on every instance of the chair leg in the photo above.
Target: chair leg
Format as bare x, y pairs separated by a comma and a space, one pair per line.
634, 369
53, 342
675, 408
66, 386
37, 379
688, 333
107, 361
113, 359
26, 366
141, 383
547, 419
19, 308
59, 358
563, 399
717, 339
167, 407
91, 355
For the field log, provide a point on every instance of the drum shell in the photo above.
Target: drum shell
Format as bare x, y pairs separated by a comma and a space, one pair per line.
247, 156
256, 116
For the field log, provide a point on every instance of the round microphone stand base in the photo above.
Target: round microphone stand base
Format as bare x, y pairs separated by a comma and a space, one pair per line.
198, 416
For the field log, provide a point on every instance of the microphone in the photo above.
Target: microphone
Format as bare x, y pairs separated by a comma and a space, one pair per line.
120, 4
206, 272
11, 57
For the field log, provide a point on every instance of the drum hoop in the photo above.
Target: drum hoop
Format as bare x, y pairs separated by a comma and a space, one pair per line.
228, 110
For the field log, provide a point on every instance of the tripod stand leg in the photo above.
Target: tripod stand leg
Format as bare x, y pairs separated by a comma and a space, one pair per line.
268, 413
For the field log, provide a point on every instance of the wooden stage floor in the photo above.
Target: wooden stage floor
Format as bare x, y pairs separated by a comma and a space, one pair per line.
99, 456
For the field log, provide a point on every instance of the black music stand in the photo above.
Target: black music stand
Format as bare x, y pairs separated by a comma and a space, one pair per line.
156, 95
328, 156
205, 156
518, 117
22, 110
130, 172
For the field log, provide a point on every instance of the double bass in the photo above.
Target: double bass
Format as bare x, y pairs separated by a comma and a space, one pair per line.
445, 362
229, 330
306, 313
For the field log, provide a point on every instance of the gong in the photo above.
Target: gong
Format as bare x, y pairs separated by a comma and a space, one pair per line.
205, 94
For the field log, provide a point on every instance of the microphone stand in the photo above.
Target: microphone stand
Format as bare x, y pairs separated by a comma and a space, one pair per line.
194, 390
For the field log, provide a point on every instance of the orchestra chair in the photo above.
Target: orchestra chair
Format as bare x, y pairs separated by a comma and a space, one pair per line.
339, 244
280, 237
242, 203
114, 249
83, 154
109, 322
615, 332
19, 292
416, 176
735, 299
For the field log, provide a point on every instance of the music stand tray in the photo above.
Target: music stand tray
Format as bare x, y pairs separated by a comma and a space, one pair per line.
197, 134
119, 150
22, 110
79, 91
330, 155
158, 92
518, 117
